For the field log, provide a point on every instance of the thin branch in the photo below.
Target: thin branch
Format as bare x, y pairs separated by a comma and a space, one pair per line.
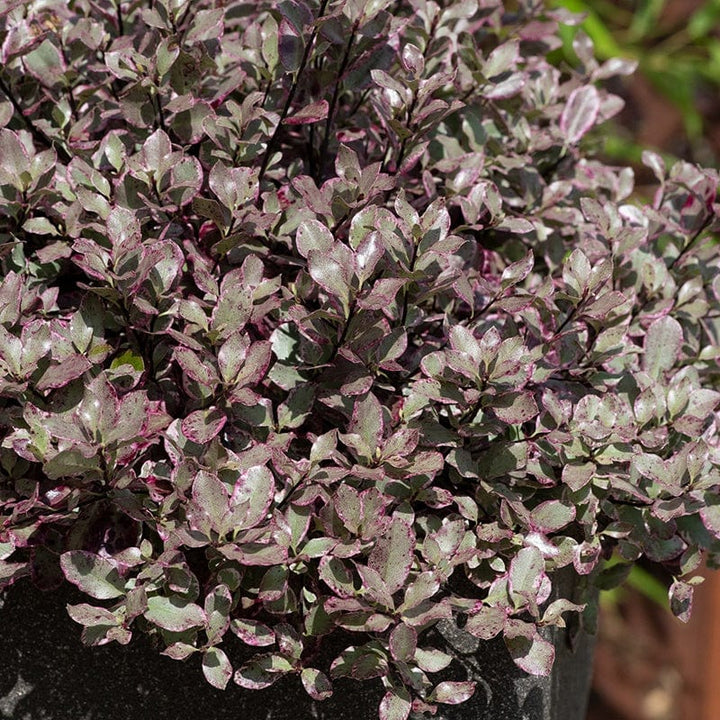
334, 99
38, 135
272, 143
119, 18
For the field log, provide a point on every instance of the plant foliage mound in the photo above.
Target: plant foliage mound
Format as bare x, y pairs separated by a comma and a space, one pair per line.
316, 316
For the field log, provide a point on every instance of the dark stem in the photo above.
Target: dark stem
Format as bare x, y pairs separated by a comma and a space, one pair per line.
333, 101
413, 260
161, 115
272, 143
343, 334
570, 316
690, 243
38, 135
119, 18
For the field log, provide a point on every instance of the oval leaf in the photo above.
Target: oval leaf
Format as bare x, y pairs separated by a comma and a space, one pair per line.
94, 575
395, 705
174, 613
580, 113
216, 667
316, 683
663, 343
392, 556
202, 426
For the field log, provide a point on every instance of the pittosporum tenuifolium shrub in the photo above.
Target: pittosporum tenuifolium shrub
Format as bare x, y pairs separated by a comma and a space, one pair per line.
315, 316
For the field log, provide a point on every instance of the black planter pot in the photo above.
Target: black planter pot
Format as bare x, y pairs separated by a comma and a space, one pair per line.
47, 674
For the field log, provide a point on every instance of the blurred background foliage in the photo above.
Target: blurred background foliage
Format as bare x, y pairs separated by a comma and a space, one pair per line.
673, 99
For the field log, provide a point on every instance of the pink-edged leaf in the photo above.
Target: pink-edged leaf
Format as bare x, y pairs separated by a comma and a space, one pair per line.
517, 271
313, 235
97, 576
368, 421
393, 554
57, 376
452, 693
262, 671
336, 576
403, 642
210, 496
331, 275
161, 264
156, 151
505, 89
552, 515
15, 161
515, 408
290, 46
202, 426
580, 112
527, 569
422, 588
179, 651
174, 613
256, 554
663, 343
374, 586
382, 294
528, 649
194, 368
309, 114
91, 616
599, 309
681, 599
395, 705
487, 622
577, 476
252, 632
316, 683
233, 186
349, 507
123, 228
251, 498
432, 660
216, 667
206, 25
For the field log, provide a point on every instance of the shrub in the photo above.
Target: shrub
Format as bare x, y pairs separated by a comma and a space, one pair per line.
316, 316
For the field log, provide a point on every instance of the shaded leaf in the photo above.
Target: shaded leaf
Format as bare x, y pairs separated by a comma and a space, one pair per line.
663, 343
94, 575
216, 667
580, 112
